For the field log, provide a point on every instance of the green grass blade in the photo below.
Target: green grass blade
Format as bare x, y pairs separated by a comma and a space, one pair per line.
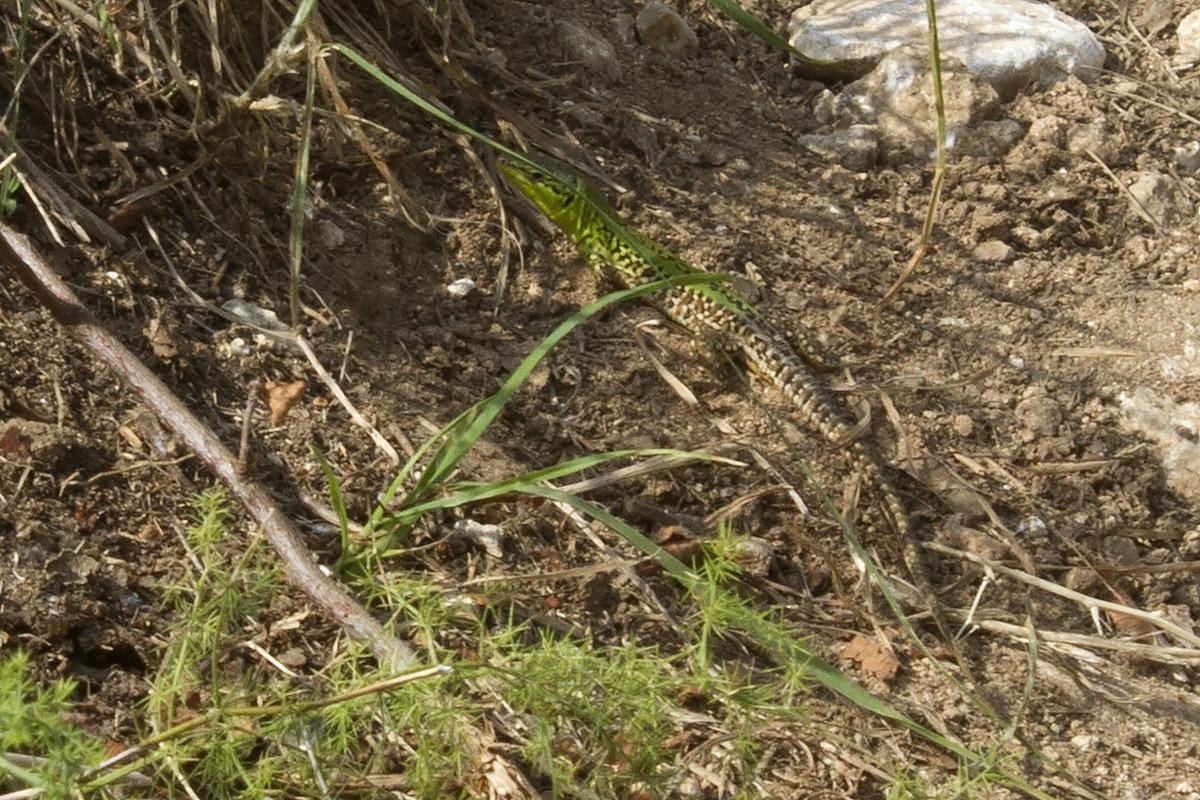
472, 425
338, 501
811, 67
420, 102
473, 492
300, 195
389, 495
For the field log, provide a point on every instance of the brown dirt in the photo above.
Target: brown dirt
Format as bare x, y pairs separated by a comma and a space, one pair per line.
1007, 378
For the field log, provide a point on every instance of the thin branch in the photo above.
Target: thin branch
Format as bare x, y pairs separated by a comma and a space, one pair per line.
43, 282
1087, 601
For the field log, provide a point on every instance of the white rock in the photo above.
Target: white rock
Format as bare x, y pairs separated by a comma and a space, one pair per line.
1009, 43
460, 287
1188, 35
488, 536
255, 315
1172, 427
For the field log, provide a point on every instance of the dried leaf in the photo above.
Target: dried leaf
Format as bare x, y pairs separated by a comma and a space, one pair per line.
1129, 624
12, 443
126, 218
281, 397
162, 342
873, 658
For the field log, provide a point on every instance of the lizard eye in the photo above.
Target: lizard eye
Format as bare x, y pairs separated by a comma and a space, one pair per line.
566, 201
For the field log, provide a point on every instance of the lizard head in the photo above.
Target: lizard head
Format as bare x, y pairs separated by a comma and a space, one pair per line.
559, 194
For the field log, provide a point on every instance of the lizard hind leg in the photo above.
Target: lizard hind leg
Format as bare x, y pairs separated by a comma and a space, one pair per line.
811, 350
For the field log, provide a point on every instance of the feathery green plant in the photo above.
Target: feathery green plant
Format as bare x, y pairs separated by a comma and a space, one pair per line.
32, 723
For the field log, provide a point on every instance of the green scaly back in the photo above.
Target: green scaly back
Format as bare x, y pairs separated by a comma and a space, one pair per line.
609, 245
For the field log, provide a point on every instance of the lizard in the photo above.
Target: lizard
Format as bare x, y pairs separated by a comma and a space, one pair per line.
717, 311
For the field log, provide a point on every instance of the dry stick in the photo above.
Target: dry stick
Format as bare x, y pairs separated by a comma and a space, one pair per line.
83, 223
939, 170
1087, 601
42, 281
1150, 652
247, 416
1141, 209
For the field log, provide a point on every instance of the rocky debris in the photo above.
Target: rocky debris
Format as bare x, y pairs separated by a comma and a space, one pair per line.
590, 50
1187, 35
1120, 550
855, 148
898, 97
1098, 136
1161, 197
659, 26
1039, 414
963, 425
991, 138
1009, 43
993, 251
1173, 428
1187, 157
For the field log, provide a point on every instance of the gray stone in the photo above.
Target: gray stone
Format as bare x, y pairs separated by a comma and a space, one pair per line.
823, 106
855, 148
992, 250
591, 50
1161, 197
1039, 414
1187, 158
1120, 550
1098, 136
898, 97
991, 138
659, 26
1009, 43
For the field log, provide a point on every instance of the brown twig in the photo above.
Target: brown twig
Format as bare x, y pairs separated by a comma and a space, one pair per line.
247, 417
40, 278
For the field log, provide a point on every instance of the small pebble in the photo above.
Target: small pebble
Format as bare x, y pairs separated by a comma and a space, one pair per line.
993, 250
1083, 741
963, 425
1120, 550
461, 287
661, 28
292, 657
1187, 158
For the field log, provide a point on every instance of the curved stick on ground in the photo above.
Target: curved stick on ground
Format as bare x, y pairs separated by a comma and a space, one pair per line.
40, 278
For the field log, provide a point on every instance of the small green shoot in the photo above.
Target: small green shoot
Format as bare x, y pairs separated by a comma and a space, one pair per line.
32, 723
300, 193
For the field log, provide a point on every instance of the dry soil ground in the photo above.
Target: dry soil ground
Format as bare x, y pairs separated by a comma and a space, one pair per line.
1000, 391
